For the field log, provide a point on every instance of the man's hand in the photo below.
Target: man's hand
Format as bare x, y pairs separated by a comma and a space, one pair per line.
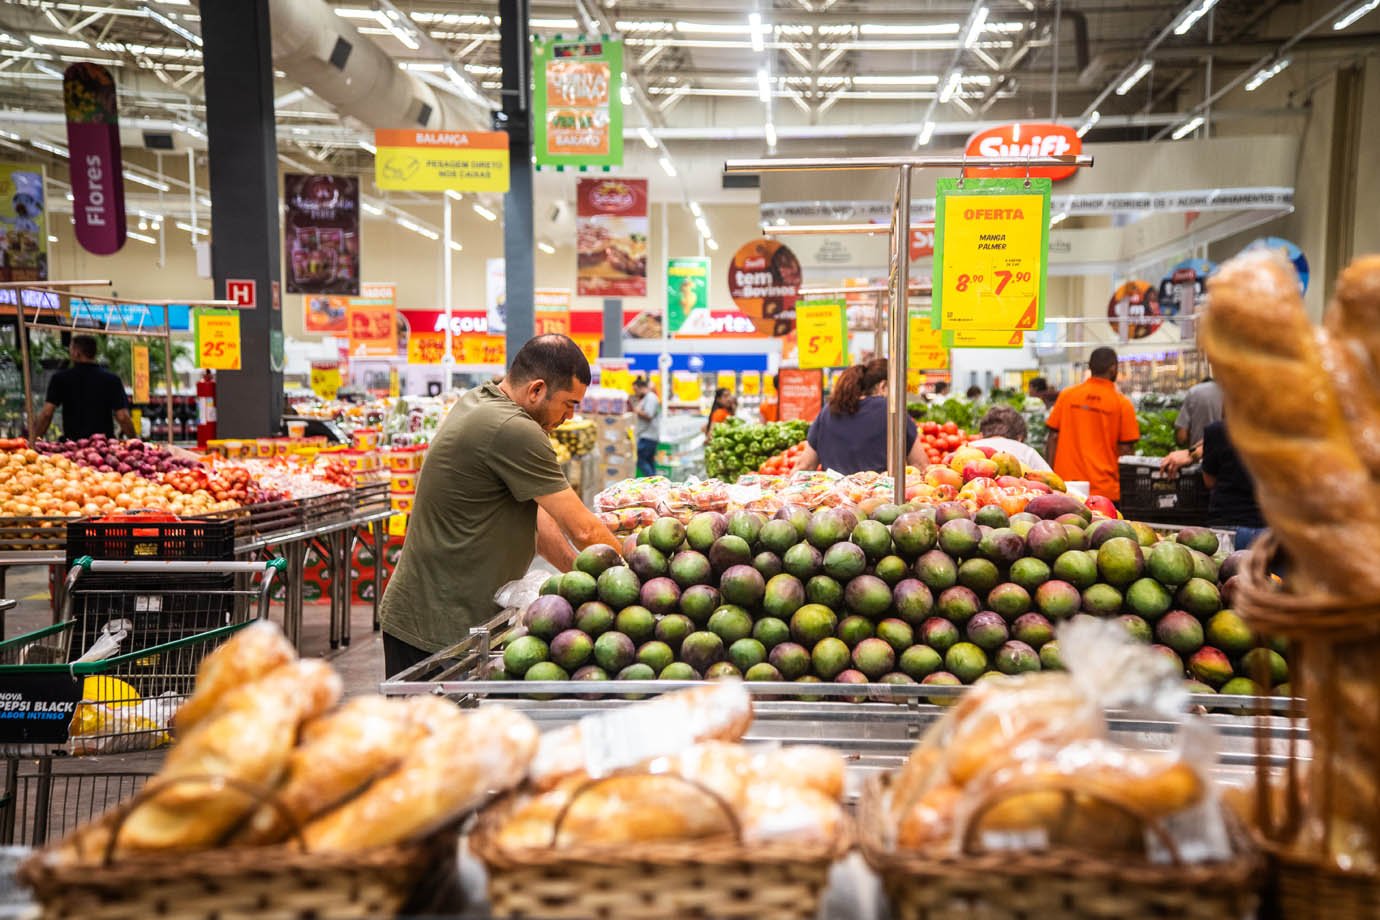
41, 421
552, 544
576, 521
125, 421
1175, 461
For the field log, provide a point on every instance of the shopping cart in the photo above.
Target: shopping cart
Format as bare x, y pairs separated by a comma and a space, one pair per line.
166, 620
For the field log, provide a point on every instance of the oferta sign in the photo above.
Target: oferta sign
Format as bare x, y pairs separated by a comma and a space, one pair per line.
578, 109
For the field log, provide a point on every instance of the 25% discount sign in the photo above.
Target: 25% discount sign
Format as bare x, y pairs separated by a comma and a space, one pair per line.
821, 328
217, 336
991, 254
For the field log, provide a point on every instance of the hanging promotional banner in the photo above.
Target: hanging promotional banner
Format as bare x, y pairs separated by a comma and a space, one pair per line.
373, 327
925, 348
1039, 139
577, 102
1182, 291
801, 393
611, 237
589, 346
764, 281
325, 379
426, 347
217, 337
1291, 253
321, 234
921, 242
93, 147
821, 333
495, 294
329, 314
23, 224
1134, 310
139, 362
982, 338
438, 161
687, 289
704, 323
480, 349
991, 254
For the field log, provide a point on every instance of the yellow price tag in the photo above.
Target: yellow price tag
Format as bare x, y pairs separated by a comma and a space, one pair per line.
913, 380
394, 384
589, 344
325, 380
991, 253
752, 383
685, 387
616, 379
426, 347
726, 380
218, 339
821, 334
397, 525
140, 360
926, 350
480, 349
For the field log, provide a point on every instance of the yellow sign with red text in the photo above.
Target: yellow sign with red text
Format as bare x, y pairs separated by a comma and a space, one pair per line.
426, 347
218, 339
821, 333
960, 338
140, 356
926, 350
480, 349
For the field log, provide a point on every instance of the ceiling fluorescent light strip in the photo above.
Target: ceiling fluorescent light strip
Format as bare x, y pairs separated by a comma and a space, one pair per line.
755, 29
1355, 14
1266, 73
1188, 127
1129, 83
975, 30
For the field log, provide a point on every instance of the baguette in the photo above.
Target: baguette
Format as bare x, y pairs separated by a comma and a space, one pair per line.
478, 752
248, 655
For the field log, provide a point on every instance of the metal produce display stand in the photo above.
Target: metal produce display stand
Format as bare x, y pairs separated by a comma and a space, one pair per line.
899, 277
875, 725
330, 522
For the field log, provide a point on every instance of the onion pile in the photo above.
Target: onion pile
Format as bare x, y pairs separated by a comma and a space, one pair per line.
107, 455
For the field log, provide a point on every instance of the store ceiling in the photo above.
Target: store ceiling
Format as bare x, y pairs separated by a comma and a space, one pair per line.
873, 69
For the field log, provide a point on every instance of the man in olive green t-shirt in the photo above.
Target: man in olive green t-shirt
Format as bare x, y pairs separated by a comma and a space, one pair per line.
490, 495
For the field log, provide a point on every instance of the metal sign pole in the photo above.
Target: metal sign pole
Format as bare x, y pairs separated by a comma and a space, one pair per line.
896, 340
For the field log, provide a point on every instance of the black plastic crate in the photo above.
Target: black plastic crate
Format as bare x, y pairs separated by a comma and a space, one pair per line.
187, 540
1147, 494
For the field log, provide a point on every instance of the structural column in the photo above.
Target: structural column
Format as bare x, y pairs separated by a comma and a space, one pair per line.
515, 55
238, 57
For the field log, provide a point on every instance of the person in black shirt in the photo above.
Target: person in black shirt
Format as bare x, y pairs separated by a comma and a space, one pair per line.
89, 397
1231, 502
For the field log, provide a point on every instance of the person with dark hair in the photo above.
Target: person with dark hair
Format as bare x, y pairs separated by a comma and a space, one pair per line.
489, 496
88, 394
722, 408
939, 393
849, 435
1004, 430
1091, 426
646, 407
1040, 395
770, 407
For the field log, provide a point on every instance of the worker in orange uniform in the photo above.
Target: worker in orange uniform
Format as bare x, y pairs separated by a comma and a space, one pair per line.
1091, 426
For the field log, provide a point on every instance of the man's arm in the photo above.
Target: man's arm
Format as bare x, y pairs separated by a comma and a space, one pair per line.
122, 418
41, 421
580, 524
1126, 447
1052, 445
552, 544
1181, 436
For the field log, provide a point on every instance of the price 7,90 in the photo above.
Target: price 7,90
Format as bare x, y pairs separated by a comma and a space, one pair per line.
1003, 279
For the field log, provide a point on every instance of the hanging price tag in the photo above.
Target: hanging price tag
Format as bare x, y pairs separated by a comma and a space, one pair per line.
479, 349
325, 379
926, 348
991, 254
218, 339
960, 338
821, 333
616, 378
140, 356
426, 347
589, 344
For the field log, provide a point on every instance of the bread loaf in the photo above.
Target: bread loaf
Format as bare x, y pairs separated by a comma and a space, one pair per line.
248, 655
454, 768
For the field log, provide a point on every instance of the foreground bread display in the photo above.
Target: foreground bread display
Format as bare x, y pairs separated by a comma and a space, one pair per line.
275, 790
1322, 414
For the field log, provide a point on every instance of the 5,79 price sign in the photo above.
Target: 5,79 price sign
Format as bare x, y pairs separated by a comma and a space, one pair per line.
218, 339
991, 254
821, 328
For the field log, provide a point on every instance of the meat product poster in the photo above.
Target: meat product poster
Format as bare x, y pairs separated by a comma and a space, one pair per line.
611, 237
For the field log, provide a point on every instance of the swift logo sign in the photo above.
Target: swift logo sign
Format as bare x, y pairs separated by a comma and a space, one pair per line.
1025, 140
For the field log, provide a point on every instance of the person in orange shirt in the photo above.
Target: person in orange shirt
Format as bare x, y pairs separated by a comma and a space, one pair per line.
770, 407
1091, 426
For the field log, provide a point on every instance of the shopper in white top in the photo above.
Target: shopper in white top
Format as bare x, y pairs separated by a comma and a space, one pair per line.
1003, 429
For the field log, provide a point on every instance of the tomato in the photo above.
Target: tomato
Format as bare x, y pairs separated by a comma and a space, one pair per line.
950, 428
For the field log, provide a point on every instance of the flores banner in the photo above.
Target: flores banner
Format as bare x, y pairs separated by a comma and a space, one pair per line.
23, 224
93, 145
611, 240
321, 234
579, 110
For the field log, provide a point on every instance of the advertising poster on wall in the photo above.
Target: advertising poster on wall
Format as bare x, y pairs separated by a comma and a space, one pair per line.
611, 233
326, 314
23, 223
801, 393
764, 281
1182, 290
578, 108
1134, 310
93, 145
687, 289
321, 234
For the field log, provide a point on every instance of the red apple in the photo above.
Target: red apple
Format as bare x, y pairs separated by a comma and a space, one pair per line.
1103, 504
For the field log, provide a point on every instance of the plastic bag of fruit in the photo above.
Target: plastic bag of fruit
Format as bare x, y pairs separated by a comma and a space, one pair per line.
1028, 763
628, 520
629, 493
687, 499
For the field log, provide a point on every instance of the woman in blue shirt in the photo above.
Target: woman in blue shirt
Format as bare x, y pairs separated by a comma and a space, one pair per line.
849, 435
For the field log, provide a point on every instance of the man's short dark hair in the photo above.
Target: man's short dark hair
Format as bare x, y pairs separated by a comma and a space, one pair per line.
639, 382
1038, 384
85, 345
941, 387
1102, 361
1003, 422
555, 359
974, 391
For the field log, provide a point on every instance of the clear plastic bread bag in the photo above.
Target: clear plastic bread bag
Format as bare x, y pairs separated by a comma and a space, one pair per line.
1030, 762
